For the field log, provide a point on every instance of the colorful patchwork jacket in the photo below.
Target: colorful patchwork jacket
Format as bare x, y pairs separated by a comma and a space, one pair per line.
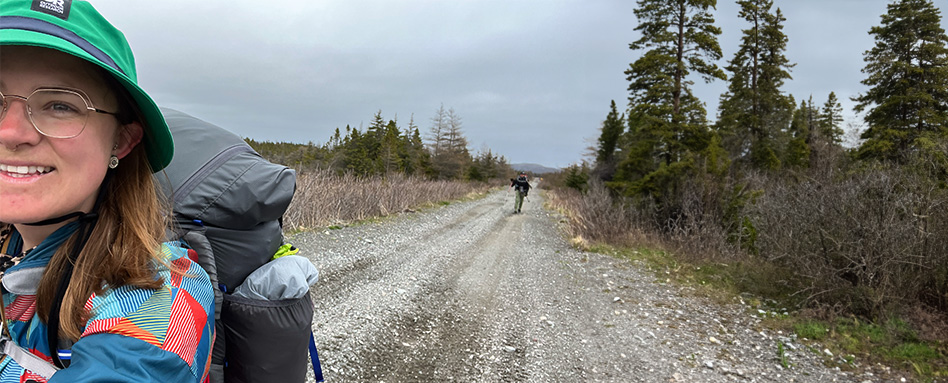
134, 334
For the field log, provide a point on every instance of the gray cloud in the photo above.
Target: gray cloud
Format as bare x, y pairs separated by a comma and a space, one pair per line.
532, 79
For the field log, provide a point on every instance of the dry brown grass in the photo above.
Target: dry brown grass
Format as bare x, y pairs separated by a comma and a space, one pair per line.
598, 217
594, 217
324, 198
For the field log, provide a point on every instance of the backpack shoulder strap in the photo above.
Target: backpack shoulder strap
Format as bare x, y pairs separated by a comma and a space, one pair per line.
26, 359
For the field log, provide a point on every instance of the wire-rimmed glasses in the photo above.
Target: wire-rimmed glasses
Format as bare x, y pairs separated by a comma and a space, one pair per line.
55, 112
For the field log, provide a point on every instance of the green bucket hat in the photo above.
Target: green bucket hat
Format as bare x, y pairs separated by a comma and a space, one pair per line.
76, 28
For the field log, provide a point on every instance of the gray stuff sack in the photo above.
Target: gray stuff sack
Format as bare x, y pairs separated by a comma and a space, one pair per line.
287, 277
276, 297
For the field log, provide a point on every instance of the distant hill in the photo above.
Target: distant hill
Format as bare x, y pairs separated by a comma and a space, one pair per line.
533, 168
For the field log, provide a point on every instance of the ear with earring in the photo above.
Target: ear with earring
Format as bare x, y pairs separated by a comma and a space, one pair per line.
113, 161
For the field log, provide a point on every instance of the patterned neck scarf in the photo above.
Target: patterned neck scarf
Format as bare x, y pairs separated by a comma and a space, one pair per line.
6, 245
12, 252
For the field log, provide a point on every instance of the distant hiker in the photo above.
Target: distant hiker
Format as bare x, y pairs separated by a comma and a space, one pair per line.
522, 187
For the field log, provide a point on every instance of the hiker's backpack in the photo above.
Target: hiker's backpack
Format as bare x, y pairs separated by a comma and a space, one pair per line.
228, 208
520, 184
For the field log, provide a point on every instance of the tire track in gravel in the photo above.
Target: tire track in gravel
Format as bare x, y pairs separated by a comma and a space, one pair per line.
445, 331
389, 277
470, 321
335, 282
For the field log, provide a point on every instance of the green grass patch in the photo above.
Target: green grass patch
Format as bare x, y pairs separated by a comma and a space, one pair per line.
782, 356
810, 329
892, 343
914, 352
719, 281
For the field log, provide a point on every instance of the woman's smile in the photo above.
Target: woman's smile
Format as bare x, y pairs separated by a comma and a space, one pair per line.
24, 171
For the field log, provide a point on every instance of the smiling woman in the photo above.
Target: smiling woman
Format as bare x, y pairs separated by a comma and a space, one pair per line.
51, 129
87, 282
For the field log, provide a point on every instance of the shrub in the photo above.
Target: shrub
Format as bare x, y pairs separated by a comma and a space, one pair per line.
324, 198
873, 240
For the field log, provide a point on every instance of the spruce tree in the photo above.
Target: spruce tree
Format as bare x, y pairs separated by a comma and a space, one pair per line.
608, 142
907, 75
831, 120
420, 158
576, 178
754, 112
668, 125
356, 154
798, 149
412, 155
390, 148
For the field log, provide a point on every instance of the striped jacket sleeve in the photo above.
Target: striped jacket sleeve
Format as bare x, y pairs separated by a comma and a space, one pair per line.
144, 335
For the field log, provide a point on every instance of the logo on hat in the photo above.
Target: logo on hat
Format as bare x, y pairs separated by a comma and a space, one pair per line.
58, 8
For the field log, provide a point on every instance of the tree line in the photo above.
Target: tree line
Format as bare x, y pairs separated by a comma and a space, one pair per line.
770, 174
385, 147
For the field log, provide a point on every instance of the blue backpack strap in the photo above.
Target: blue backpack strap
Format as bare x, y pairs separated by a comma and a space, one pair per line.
317, 369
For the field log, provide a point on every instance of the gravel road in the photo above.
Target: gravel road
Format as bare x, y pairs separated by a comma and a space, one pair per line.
470, 292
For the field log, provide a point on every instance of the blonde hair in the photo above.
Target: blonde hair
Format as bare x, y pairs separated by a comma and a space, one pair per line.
123, 248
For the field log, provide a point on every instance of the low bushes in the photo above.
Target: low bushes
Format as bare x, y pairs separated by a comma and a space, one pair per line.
865, 242
870, 243
325, 198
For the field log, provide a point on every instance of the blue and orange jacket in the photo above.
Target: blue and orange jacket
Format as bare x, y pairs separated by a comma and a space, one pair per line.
133, 335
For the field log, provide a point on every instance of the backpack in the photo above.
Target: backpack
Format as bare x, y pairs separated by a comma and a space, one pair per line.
228, 208
521, 185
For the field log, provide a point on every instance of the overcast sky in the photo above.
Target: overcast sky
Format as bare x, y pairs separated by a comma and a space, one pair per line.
531, 79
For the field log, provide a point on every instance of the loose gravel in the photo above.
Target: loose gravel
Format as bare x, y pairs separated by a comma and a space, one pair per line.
471, 292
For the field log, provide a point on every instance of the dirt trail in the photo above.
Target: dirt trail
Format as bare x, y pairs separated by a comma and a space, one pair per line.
471, 292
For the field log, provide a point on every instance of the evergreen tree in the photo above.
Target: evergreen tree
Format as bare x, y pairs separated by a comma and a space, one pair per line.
668, 124
576, 177
907, 76
413, 156
335, 160
831, 120
336, 140
389, 156
798, 149
754, 113
485, 167
612, 129
372, 141
681, 38
420, 158
299, 156
356, 154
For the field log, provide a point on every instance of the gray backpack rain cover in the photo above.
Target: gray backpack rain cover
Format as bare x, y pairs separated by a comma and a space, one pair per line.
228, 205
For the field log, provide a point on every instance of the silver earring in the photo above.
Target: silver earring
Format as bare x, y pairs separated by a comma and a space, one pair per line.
113, 162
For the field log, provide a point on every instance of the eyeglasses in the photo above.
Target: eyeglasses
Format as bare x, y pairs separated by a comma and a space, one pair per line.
56, 112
